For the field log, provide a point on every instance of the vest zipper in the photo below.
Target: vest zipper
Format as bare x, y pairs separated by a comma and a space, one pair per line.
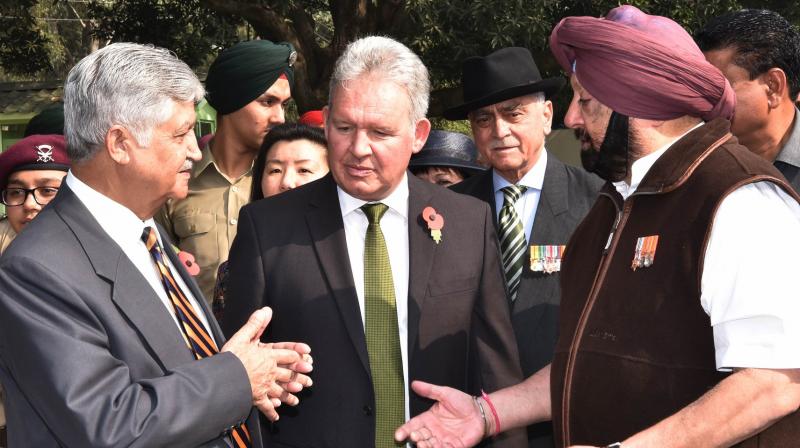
608, 252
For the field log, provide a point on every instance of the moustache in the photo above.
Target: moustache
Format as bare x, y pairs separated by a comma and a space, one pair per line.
187, 165
502, 144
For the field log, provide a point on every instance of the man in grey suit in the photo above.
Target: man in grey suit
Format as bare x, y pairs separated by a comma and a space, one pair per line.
537, 200
105, 340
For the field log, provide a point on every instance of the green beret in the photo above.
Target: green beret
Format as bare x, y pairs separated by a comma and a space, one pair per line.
243, 72
48, 121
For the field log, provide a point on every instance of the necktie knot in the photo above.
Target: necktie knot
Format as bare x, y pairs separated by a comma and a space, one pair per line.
149, 238
512, 192
374, 212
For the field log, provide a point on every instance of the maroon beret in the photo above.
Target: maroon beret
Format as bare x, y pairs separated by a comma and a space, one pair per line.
35, 152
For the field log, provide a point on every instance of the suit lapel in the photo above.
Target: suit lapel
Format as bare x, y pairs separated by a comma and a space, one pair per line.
421, 251
553, 201
131, 293
324, 220
485, 192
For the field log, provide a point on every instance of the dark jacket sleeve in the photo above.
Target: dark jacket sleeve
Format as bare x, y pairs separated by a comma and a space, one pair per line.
246, 284
495, 348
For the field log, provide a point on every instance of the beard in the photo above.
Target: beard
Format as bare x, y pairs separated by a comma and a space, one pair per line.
610, 161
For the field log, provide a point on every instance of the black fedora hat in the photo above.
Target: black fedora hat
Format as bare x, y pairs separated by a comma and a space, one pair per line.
449, 149
507, 73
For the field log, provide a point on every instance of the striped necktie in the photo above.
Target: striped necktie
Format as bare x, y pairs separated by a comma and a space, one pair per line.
381, 331
512, 239
194, 333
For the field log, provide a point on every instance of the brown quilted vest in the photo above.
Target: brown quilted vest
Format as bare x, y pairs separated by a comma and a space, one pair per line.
636, 346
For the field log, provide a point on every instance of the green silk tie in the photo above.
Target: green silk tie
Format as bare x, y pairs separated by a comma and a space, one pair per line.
382, 334
512, 239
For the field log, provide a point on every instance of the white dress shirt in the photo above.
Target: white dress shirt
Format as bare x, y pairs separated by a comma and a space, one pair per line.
528, 202
125, 229
394, 226
748, 286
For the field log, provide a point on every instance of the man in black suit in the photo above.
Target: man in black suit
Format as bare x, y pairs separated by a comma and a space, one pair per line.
536, 200
387, 277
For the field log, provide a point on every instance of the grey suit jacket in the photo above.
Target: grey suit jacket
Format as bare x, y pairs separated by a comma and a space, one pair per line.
567, 195
90, 357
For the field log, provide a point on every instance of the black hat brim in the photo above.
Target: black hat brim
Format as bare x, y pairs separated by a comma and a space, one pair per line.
451, 162
549, 86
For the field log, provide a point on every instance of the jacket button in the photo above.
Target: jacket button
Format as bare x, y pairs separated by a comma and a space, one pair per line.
367, 410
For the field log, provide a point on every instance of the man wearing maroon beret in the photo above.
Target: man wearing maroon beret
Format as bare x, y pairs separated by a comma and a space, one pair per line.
670, 334
31, 171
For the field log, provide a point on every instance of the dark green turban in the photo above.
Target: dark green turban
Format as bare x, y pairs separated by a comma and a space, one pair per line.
243, 72
48, 121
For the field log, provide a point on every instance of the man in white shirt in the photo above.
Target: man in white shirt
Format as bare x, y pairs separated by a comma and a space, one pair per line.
388, 277
669, 335
106, 341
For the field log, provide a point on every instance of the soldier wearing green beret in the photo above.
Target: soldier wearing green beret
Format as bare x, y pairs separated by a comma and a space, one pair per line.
249, 85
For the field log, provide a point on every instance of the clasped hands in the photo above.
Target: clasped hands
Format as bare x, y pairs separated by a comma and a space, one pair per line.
276, 370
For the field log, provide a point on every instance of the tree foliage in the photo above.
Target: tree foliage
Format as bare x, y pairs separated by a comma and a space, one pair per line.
186, 27
443, 33
23, 44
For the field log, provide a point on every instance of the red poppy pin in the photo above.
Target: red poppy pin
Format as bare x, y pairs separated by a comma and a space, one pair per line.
188, 261
435, 223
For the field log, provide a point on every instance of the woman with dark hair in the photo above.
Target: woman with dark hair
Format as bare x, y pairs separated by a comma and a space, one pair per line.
291, 155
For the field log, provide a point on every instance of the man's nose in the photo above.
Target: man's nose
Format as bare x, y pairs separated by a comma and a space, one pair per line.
573, 118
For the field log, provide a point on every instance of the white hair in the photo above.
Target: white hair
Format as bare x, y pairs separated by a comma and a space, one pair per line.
392, 61
126, 84
538, 97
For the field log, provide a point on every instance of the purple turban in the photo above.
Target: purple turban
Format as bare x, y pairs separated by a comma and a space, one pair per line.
642, 66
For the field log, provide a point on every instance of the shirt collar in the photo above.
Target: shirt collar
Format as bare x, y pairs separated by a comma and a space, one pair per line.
206, 159
533, 179
790, 153
642, 166
397, 199
118, 221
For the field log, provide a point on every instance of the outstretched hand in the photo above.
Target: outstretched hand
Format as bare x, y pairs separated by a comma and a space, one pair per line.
453, 421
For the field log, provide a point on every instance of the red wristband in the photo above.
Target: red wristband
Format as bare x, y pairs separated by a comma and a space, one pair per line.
485, 397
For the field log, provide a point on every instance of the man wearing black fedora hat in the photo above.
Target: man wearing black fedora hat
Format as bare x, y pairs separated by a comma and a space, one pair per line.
536, 199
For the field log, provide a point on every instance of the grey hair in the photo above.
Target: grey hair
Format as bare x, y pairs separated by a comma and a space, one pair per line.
124, 84
391, 60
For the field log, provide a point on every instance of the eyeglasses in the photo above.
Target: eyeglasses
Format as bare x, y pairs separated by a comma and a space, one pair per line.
17, 196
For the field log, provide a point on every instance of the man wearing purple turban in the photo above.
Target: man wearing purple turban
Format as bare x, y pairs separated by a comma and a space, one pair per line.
670, 334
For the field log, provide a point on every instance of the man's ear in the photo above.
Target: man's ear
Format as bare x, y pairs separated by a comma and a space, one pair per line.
325, 113
777, 87
421, 131
119, 143
547, 117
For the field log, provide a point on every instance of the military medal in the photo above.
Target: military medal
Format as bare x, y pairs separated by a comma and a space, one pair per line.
645, 252
546, 258
435, 223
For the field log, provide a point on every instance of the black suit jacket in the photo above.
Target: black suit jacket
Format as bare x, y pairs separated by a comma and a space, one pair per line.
89, 355
567, 195
290, 253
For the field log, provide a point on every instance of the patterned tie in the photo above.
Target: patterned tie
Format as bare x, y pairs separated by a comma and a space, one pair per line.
512, 239
195, 335
383, 338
